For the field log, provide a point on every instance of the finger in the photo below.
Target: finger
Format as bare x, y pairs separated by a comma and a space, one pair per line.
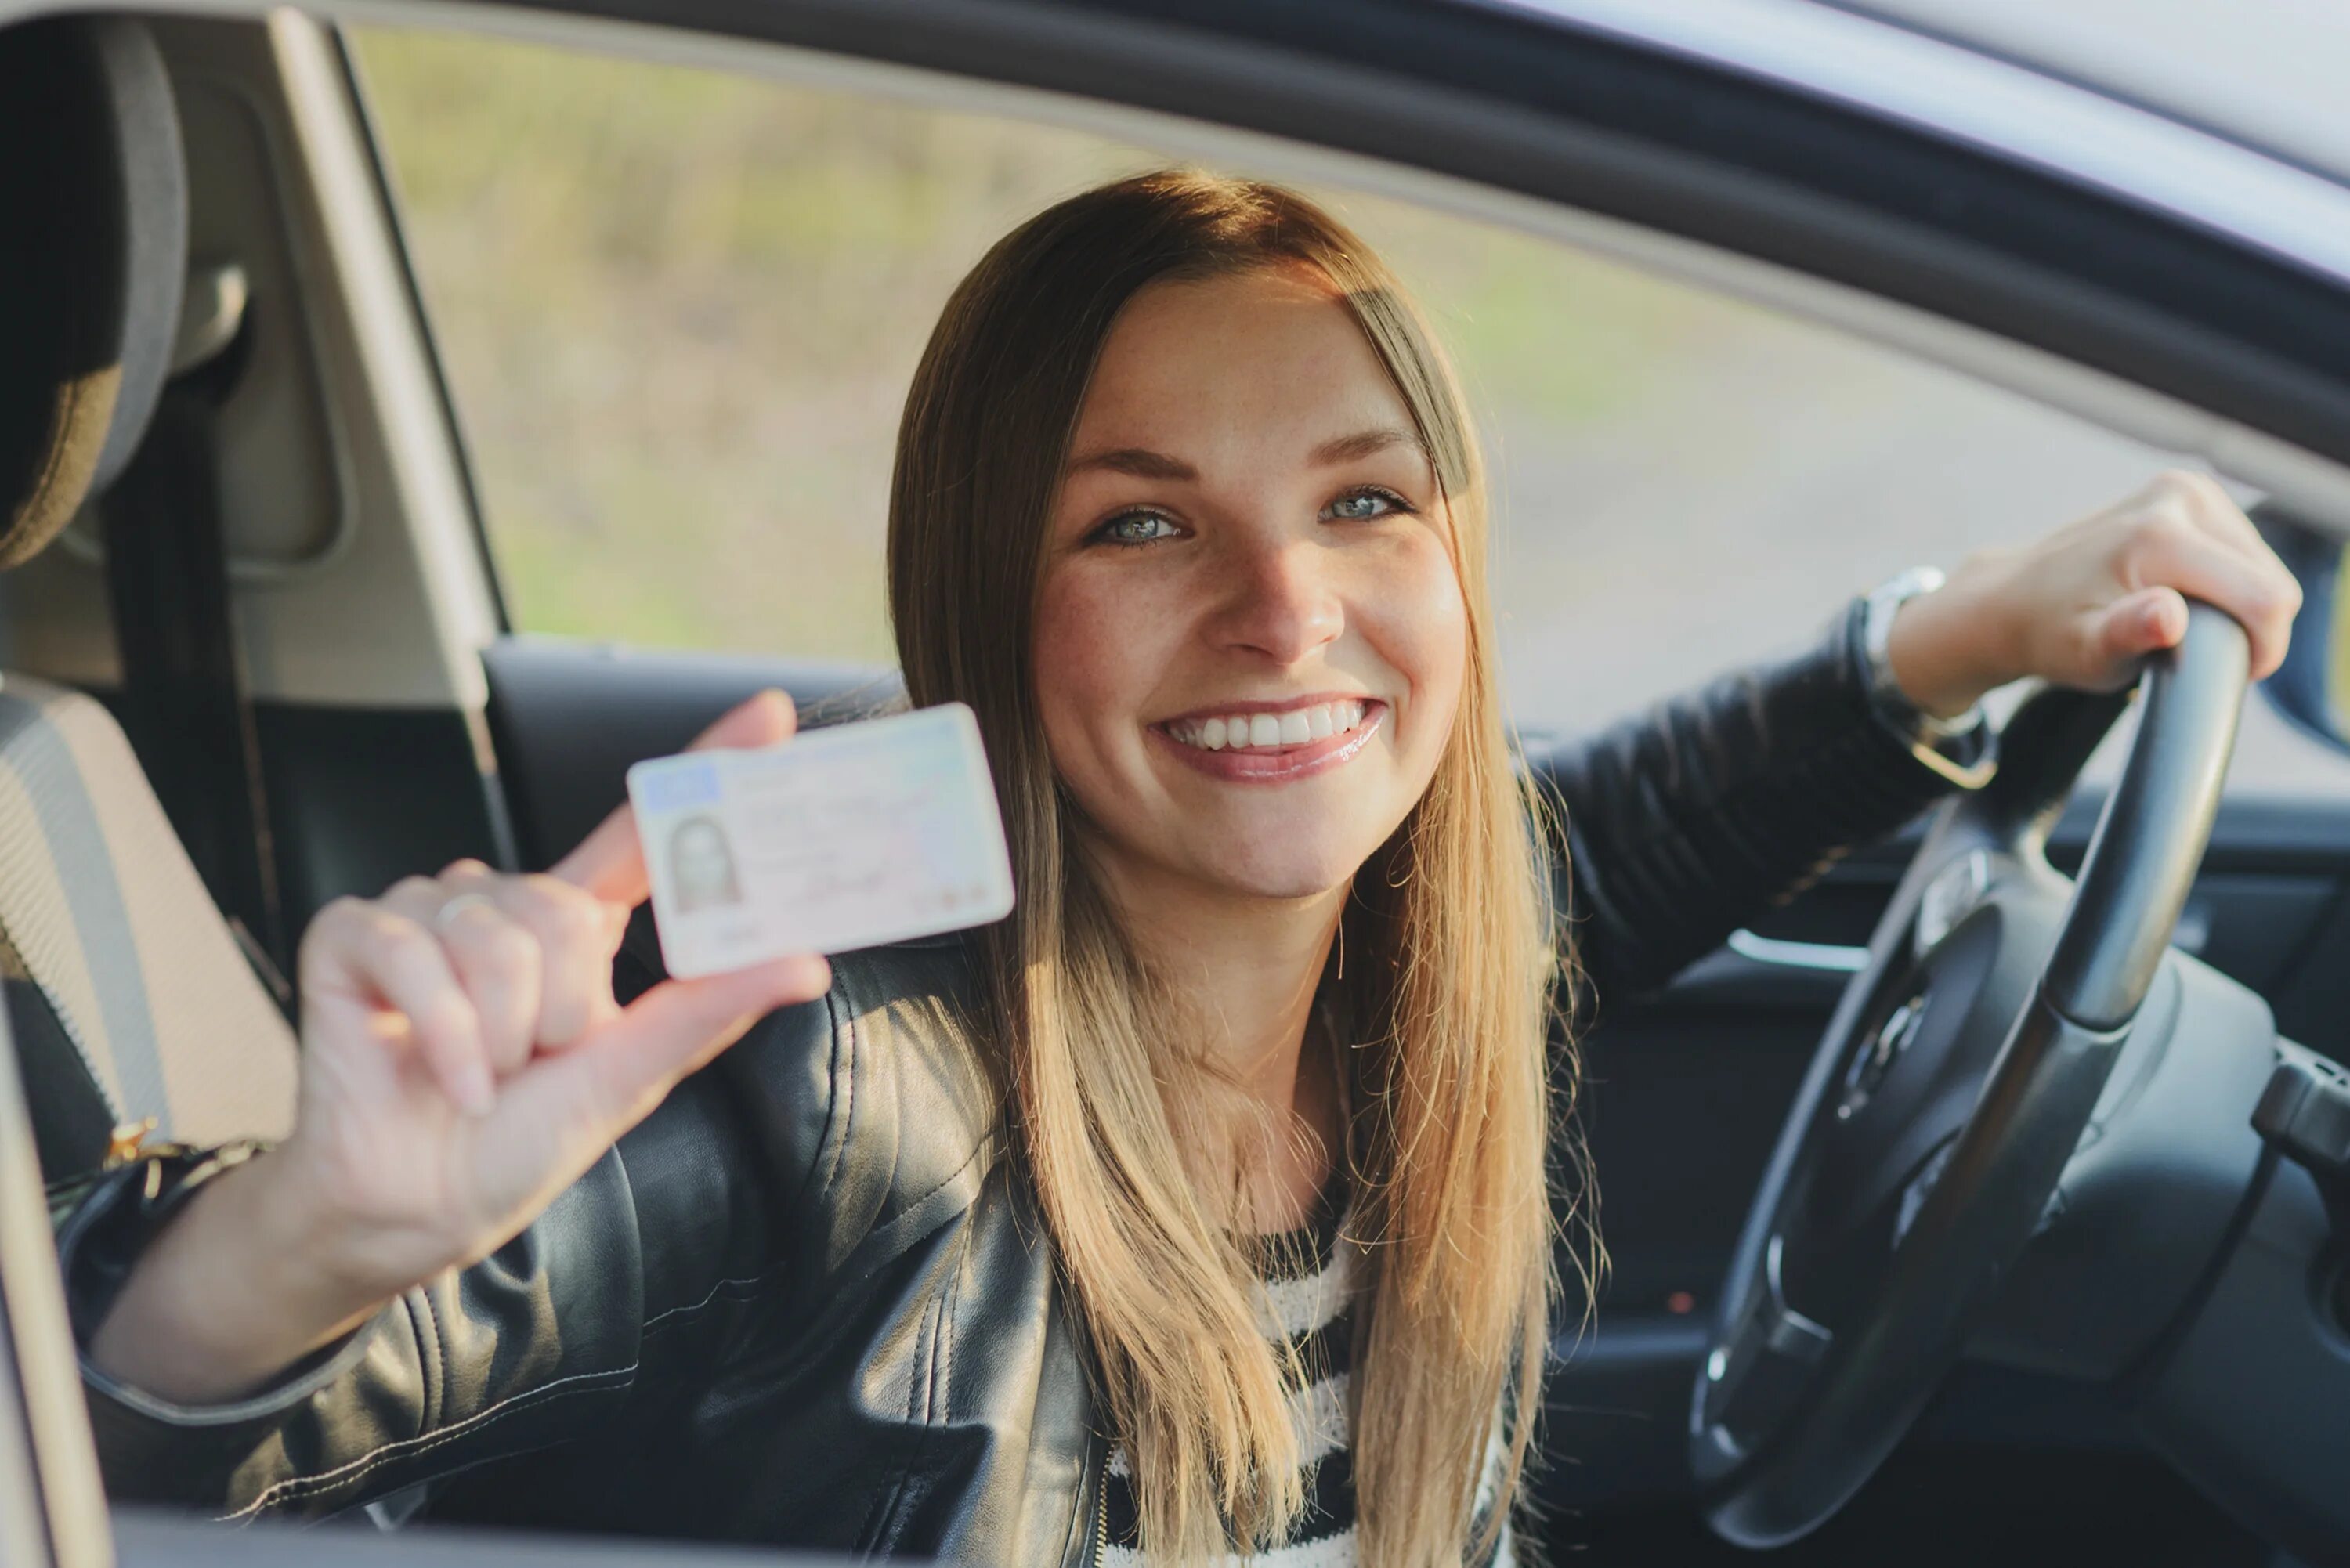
464, 907
423, 899
402, 965
323, 962
2211, 508
2218, 514
419, 899
2131, 627
616, 1078
497, 960
573, 932
611, 862
2260, 597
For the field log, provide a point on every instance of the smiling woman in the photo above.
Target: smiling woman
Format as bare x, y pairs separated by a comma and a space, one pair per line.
1270, 507
1198, 1208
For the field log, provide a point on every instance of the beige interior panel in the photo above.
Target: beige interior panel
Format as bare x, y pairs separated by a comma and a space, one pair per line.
357, 574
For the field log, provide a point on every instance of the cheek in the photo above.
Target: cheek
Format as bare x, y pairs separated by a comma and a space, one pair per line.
1420, 627
1088, 662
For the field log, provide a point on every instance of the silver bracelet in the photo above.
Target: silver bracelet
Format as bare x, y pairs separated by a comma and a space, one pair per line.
1921, 731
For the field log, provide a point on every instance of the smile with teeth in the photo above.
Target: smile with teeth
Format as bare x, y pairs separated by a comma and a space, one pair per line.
1268, 732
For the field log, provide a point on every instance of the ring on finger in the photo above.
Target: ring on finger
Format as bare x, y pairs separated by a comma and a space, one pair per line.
449, 912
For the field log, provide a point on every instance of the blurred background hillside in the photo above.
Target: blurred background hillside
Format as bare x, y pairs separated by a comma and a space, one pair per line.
681, 311
678, 309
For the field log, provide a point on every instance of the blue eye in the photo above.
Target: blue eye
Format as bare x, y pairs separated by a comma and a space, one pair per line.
1135, 528
1365, 505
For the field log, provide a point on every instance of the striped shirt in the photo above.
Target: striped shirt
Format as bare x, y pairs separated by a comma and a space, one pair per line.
1308, 1302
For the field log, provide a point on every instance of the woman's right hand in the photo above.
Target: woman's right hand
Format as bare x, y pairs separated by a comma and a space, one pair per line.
463, 1063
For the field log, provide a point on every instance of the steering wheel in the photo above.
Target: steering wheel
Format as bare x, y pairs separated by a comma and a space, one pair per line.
1953, 1083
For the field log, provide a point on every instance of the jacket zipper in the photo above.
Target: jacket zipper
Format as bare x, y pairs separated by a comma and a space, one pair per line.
1101, 1516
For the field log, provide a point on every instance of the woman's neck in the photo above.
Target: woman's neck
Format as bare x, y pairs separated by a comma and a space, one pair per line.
1247, 970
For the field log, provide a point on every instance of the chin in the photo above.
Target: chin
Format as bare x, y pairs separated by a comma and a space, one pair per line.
1291, 871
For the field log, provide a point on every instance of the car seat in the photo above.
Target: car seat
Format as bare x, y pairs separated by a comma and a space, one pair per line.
129, 996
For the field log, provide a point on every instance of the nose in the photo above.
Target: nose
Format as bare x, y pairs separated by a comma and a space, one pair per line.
1281, 601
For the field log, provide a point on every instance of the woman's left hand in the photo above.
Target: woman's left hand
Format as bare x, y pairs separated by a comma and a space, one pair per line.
2083, 606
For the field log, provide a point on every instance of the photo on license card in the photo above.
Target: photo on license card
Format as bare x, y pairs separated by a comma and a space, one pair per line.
846, 837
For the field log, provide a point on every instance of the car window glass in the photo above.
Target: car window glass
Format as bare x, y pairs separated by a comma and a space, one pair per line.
679, 310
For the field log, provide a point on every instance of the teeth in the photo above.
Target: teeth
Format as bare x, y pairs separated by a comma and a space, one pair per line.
1239, 732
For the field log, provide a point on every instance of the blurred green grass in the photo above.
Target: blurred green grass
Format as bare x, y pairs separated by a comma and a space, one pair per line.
678, 309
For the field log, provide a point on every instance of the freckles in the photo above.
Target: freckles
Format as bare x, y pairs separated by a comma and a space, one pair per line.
1076, 645
1069, 618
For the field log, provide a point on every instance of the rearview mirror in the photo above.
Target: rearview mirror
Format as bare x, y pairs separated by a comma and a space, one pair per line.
2312, 689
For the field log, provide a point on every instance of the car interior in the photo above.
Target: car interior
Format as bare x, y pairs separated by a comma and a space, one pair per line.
256, 658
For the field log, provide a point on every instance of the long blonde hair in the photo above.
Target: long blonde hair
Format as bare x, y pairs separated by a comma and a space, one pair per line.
1449, 948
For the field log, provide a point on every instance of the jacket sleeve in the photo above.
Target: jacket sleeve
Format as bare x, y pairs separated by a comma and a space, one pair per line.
1674, 828
626, 1286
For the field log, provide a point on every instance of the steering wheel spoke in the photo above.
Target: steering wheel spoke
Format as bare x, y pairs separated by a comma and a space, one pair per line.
1752, 1385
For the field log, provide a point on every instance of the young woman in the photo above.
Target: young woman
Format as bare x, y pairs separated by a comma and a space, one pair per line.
1200, 1207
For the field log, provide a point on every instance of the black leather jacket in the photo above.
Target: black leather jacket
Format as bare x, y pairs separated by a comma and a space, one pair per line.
809, 1301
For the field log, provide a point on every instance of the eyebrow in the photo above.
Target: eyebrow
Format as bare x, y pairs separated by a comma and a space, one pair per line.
1361, 445
1144, 463
1140, 461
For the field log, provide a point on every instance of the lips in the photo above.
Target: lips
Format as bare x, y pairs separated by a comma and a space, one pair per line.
1297, 742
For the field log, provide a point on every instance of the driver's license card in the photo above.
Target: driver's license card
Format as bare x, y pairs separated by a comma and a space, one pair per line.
844, 837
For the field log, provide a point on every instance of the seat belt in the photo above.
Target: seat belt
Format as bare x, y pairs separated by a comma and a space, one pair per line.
187, 706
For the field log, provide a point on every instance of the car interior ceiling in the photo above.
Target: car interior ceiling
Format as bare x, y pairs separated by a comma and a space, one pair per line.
161, 841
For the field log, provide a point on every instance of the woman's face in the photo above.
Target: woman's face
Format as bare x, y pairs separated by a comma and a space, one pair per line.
1250, 639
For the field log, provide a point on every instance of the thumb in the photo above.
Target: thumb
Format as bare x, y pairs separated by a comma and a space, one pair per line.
2137, 624
616, 1077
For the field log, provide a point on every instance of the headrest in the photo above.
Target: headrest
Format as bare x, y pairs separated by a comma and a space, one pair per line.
93, 249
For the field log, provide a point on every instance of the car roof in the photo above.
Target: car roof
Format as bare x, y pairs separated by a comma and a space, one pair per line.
2049, 94
2265, 73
